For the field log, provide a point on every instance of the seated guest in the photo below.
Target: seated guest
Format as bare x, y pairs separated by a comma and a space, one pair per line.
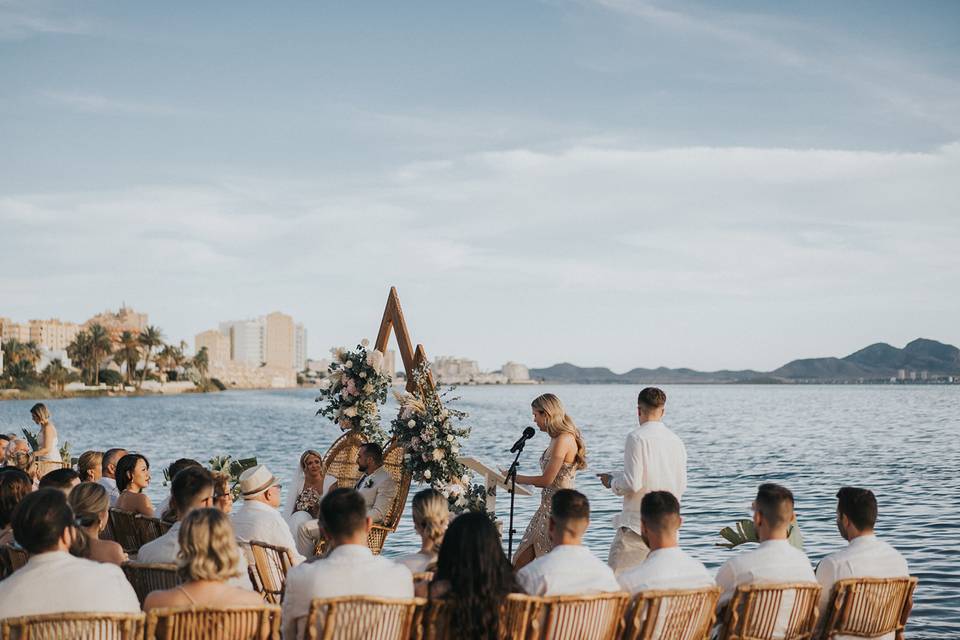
376, 485
63, 479
90, 504
222, 495
209, 563
90, 465
775, 560
133, 476
19, 456
866, 556
108, 472
5, 439
259, 518
350, 569
14, 485
569, 568
166, 510
310, 484
191, 489
431, 515
666, 566
53, 581
473, 575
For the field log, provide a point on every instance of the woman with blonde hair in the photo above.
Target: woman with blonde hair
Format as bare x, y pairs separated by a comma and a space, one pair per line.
559, 463
91, 503
208, 557
48, 441
222, 496
310, 484
90, 466
431, 515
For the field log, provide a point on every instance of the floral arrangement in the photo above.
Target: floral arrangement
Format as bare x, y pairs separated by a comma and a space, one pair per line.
33, 439
431, 435
354, 386
229, 466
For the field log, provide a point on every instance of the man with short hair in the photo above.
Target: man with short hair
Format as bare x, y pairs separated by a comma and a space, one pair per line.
53, 581
866, 556
108, 468
667, 566
775, 560
350, 569
163, 511
376, 485
569, 568
654, 459
259, 518
61, 479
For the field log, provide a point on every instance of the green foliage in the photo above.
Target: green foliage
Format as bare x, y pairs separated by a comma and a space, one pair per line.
32, 438
744, 531
111, 378
233, 468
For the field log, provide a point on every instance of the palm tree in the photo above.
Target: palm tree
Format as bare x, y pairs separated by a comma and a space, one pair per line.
150, 338
55, 375
79, 351
128, 354
201, 362
100, 346
167, 359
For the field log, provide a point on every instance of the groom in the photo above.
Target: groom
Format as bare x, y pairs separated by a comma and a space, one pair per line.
654, 459
376, 485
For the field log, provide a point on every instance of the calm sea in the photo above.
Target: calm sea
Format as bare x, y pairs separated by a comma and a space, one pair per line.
899, 441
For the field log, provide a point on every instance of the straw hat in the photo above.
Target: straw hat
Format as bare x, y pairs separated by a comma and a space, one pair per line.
256, 480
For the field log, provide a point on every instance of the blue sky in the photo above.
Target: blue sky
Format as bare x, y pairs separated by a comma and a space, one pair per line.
623, 183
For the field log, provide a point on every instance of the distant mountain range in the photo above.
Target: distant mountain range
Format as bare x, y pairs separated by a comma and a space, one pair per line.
879, 361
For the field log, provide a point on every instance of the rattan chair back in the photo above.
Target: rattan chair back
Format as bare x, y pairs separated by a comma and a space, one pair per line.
515, 615
766, 611
340, 461
678, 614
272, 563
210, 623
11, 559
149, 529
147, 577
74, 626
869, 607
361, 618
123, 525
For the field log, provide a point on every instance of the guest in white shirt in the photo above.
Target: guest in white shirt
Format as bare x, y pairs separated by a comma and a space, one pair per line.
53, 581
431, 515
376, 485
109, 470
654, 459
775, 560
666, 566
191, 489
259, 518
350, 569
569, 568
865, 557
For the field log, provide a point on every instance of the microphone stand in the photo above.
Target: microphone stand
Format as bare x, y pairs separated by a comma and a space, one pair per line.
512, 479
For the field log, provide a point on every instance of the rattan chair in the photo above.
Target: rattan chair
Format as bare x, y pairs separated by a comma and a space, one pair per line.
360, 618
340, 461
869, 607
46, 466
123, 525
78, 626
149, 529
757, 611
271, 563
147, 577
11, 559
209, 623
393, 463
678, 614
434, 621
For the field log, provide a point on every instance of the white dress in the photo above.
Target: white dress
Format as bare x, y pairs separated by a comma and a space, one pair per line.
54, 453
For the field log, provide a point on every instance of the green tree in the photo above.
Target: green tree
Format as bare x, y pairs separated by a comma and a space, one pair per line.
150, 338
101, 346
128, 354
80, 352
201, 362
55, 375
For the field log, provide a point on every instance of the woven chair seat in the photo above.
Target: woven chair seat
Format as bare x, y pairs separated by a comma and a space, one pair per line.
228, 623
767, 611
361, 618
680, 614
147, 577
869, 607
74, 626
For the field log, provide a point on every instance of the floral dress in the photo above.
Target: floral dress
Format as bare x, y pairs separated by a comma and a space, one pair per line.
537, 533
309, 501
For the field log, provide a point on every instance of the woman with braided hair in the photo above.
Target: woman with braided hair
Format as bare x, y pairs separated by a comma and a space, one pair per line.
431, 515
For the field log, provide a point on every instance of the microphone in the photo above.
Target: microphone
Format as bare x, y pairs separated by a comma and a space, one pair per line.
528, 433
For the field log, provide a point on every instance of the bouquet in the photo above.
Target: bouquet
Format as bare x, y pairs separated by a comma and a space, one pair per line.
353, 389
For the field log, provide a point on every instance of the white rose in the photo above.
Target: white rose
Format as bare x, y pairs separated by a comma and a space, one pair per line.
324, 384
368, 388
349, 364
449, 437
350, 412
438, 454
363, 374
375, 360
427, 474
364, 343
465, 478
412, 424
454, 449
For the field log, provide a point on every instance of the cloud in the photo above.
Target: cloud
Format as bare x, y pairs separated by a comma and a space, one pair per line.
22, 20
102, 105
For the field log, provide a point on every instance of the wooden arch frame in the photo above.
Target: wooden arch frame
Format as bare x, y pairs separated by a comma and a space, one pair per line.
393, 321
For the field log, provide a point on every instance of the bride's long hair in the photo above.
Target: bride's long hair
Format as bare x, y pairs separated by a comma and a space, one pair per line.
303, 462
559, 422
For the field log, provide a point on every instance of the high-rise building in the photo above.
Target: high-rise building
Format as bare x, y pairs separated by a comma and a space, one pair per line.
280, 340
53, 334
246, 341
217, 344
273, 340
300, 348
10, 330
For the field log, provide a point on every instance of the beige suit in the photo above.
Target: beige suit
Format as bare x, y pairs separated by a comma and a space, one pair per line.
378, 489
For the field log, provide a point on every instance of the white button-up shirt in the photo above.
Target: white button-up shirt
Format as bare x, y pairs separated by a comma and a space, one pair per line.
349, 570
568, 569
667, 568
259, 521
111, 486
164, 550
55, 582
654, 459
865, 557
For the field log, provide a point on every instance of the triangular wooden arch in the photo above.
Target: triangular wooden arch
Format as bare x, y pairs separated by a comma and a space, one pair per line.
393, 320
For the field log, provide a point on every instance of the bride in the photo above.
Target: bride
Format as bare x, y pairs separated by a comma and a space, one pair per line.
310, 484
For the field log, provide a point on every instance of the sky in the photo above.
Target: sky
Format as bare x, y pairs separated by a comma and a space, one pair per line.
610, 183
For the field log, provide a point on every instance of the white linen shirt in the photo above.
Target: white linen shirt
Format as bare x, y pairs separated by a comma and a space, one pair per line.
55, 582
865, 557
259, 521
654, 459
349, 570
111, 486
566, 570
165, 549
668, 568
